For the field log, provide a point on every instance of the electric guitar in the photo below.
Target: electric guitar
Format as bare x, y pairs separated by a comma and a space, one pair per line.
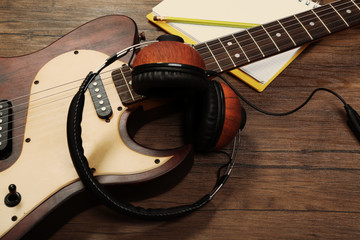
36, 91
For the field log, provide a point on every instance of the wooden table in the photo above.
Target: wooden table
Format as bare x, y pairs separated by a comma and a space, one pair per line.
296, 177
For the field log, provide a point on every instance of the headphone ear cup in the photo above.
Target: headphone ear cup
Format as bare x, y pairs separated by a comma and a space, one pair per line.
205, 118
214, 118
164, 79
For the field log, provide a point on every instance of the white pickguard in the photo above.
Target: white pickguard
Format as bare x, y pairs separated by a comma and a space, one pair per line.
44, 166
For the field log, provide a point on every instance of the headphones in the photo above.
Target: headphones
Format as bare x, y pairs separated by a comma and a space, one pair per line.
167, 68
171, 68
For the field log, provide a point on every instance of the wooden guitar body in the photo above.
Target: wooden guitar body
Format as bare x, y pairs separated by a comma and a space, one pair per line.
40, 87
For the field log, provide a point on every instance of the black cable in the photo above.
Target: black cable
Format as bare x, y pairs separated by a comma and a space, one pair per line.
227, 164
353, 117
271, 113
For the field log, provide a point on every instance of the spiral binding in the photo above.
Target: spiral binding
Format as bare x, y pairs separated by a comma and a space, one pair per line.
308, 2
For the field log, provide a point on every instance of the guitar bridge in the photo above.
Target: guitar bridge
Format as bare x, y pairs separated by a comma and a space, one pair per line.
5, 129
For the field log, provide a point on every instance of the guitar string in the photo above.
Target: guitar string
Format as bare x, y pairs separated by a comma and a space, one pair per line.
105, 83
81, 79
62, 97
218, 47
271, 44
225, 62
118, 55
198, 49
29, 119
63, 85
51, 95
321, 26
60, 93
325, 11
256, 50
67, 91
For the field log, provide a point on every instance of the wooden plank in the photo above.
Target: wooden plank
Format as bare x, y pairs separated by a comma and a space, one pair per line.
296, 177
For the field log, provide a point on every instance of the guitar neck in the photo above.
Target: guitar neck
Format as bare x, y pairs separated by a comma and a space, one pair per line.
241, 48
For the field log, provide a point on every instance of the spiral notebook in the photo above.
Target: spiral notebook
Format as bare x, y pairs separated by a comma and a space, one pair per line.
259, 74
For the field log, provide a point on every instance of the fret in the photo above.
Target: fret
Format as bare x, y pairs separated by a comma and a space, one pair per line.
303, 27
234, 50
233, 63
339, 15
349, 11
212, 54
220, 54
332, 20
127, 84
279, 35
256, 43
297, 32
250, 48
287, 33
242, 50
122, 80
207, 56
321, 21
271, 38
355, 4
313, 24
265, 40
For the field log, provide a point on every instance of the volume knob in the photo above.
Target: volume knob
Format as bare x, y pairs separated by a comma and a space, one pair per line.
13, 198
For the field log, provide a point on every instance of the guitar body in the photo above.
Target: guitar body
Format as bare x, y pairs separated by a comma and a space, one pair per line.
40, 87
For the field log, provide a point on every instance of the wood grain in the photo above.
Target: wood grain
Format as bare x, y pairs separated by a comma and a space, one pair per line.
169, 52
296, 177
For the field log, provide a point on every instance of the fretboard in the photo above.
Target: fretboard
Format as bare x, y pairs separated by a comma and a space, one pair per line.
241, 48
231, 51
122, 80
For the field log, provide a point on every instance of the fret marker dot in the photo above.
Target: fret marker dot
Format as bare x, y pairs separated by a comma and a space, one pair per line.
278, 34
312, 24
229, 43
237, 55
348, 11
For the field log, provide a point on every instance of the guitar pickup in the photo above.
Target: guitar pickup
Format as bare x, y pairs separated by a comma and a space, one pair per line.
100, 98
5, 129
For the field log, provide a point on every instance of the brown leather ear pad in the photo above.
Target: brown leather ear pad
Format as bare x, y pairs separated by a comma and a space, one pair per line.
166, 79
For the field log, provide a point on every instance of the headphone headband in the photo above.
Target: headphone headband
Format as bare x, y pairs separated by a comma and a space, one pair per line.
103, 195
170, 67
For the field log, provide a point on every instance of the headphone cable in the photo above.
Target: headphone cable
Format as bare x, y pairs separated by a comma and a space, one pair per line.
353, 116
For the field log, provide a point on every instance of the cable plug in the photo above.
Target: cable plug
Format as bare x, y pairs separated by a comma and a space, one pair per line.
353, 120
